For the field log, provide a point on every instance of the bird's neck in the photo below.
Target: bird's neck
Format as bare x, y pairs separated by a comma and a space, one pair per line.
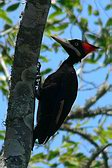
71, 61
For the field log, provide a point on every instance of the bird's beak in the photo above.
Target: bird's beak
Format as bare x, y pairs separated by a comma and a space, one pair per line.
61, 41
88, 47
64, 43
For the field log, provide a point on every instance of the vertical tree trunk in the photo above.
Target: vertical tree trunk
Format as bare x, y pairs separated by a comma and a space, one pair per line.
19, 122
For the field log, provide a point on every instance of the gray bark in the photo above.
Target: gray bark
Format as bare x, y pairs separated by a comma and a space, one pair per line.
19, 122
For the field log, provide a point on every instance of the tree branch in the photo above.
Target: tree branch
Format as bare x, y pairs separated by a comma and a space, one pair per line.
80, 113
89, 139
95, 155
80, 133
86, 112
101, 91
19, 122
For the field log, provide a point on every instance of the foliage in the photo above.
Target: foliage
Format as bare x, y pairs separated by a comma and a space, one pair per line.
88, 127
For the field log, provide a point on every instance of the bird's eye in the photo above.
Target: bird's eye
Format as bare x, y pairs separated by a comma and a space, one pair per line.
76, 43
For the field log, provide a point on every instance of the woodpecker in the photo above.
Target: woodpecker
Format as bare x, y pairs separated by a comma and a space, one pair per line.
59, 90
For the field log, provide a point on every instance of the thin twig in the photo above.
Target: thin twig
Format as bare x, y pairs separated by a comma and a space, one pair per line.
80, 113
93, 70
100, 92
95, 155
6, 72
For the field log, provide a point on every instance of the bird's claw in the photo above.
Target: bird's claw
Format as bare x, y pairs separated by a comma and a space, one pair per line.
38, 81
38, 66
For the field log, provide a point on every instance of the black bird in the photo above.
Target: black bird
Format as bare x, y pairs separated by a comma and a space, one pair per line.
59, 91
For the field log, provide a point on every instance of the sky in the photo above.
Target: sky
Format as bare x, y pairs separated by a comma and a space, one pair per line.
56, 58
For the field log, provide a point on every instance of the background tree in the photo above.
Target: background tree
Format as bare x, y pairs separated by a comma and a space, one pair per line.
84, 139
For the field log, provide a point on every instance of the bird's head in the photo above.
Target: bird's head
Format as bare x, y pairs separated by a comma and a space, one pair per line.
75, 48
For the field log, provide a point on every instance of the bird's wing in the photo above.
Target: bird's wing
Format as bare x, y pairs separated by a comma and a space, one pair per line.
51, 86
65, 99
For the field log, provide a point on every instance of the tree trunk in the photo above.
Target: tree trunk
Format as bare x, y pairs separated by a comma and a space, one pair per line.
19, 122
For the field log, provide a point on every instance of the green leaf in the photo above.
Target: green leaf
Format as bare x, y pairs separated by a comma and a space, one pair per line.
69, 4
12, 7
109, 22
2, 4
108, 7
84, 23
98, 57
4, 16
89, 9
99, 22
40, 156
2, 131
46, 71
44, 59
96, 13
53, 154
91, 36
2, 134
90, 61
56, 13
45, 48
1, 137
63, 26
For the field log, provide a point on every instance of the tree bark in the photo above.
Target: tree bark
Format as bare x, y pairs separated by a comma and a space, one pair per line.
19, 122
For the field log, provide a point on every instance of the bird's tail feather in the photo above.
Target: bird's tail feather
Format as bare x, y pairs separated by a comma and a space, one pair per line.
40, 135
